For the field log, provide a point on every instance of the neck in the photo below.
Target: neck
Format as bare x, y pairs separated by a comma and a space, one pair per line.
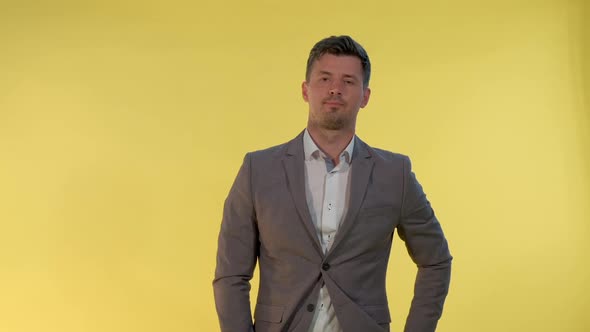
331, 142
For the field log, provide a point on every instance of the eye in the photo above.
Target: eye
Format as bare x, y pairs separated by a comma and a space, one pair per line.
350, 82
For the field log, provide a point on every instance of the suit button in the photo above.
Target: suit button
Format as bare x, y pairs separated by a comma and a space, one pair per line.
325, 266
310, 307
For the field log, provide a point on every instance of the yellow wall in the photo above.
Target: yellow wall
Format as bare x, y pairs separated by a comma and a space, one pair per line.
584, 45
123, 123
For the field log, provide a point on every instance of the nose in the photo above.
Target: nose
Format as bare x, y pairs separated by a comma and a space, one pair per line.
335, 91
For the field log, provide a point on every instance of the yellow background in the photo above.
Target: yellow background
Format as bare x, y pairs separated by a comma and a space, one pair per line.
123, 124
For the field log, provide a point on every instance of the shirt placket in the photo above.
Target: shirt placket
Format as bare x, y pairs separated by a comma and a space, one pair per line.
331, 211
329, 216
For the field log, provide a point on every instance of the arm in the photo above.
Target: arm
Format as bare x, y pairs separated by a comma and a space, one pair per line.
428, 248
237, 252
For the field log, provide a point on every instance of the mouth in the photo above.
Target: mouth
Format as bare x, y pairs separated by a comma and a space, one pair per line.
333, 103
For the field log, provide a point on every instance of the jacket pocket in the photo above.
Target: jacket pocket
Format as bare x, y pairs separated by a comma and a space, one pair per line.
380, 313
269, 313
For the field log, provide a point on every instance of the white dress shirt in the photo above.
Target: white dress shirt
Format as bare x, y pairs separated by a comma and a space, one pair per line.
327, 194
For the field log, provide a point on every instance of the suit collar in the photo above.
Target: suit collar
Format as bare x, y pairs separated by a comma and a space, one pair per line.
362, 166
293, 162
295, 147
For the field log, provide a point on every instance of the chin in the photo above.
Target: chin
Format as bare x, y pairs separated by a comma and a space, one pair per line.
333, 125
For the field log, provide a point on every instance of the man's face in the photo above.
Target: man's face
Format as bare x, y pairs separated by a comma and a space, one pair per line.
335, 92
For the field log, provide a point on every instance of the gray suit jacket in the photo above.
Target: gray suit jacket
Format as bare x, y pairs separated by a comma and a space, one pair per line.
266, 218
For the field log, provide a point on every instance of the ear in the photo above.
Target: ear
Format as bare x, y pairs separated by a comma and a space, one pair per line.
366, 96
304, 91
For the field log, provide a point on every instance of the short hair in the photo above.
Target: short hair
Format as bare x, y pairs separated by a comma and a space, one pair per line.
340, 45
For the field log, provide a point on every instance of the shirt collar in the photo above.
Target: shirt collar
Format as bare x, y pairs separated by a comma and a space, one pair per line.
311, 150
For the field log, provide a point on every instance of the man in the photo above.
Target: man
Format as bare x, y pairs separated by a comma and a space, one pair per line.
319, 214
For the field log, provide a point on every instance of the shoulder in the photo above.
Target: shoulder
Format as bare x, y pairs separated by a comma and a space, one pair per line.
277, 152
388, 161
270, 152
382, 155
387, 156
268, 156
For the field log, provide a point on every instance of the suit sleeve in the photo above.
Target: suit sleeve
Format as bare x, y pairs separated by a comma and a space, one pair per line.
428, 248
237, 253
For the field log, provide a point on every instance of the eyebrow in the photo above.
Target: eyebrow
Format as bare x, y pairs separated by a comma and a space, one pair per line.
323, 72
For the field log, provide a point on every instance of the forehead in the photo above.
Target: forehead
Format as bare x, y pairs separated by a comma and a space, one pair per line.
338, 64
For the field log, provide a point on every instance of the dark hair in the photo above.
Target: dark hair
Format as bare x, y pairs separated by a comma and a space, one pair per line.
340, 45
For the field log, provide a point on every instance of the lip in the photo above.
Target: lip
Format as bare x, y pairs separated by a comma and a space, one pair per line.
333, 103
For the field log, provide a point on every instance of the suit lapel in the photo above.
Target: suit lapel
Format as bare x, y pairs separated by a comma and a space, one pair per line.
294, 163
362, 166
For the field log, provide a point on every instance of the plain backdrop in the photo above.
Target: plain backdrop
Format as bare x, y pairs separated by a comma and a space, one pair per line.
123, 124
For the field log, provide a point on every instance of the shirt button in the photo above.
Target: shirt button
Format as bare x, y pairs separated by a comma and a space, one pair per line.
325, 266
310, 307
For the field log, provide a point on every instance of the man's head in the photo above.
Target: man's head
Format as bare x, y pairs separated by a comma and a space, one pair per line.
340, 45
336, 83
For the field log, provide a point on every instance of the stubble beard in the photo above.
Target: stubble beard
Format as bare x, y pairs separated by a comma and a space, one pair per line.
333, 121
